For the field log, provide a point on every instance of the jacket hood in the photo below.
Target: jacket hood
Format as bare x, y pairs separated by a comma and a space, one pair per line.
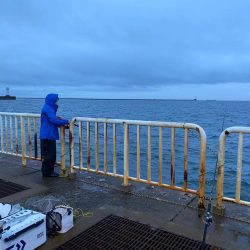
51, 100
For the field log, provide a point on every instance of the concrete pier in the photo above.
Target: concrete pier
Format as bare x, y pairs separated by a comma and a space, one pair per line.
103, 195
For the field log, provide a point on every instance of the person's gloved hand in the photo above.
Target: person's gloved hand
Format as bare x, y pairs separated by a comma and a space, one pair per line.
66, 126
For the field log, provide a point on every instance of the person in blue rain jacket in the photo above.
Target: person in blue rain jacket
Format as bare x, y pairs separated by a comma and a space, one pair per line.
49, 134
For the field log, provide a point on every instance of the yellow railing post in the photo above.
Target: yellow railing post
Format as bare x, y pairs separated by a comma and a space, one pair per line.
29, 138
138, 154
24, 163
239, 167
160, 156
6, 135
88, 145
202, 175
149, 154
16, 135
11, 136
1, 128
126, 154
185, 177
172, 169
80, 146
114, 149
105, 148
220, 175
71, 146
35, 137
96, 147
62, 140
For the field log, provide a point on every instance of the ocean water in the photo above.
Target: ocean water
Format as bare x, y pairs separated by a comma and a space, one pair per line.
212, 116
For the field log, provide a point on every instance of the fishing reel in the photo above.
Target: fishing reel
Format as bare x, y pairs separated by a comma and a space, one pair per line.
209, 218
208, 221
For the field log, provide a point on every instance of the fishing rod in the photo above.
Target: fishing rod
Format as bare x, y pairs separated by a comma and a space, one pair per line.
209, 218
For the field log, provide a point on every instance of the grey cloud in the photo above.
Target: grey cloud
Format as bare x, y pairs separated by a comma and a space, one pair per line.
124, 44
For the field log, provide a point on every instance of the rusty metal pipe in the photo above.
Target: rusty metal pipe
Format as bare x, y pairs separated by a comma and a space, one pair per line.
29, 138
138, 153
88, 145
149, 153
239, 167
126, 154
202, 174
1, 128
35, 137
71, 146
6, 135
62, 140
16, 135
24, 163
114, 149
172, 169
96, 147
11, 135
105, 148
185, 159
80, 146
160, 155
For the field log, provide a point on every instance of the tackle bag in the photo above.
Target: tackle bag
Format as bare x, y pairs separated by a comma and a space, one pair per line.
59, 219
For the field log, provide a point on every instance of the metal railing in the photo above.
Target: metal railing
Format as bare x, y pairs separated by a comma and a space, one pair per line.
13, 134
126, 145
221, 162
19, 130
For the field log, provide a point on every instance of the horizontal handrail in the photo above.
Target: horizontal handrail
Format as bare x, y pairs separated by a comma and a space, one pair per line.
20, 114
142, 123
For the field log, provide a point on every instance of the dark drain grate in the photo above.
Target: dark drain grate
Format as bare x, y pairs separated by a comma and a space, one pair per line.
8, 188
114, 232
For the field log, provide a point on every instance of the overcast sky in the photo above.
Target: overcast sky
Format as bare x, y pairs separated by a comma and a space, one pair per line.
126, 48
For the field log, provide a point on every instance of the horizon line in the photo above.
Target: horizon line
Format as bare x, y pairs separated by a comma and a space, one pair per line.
156, 99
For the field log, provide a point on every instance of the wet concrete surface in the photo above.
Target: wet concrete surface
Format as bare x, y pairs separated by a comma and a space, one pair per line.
103, 195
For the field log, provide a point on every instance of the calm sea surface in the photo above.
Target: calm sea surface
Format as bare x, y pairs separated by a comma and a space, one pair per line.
207, 114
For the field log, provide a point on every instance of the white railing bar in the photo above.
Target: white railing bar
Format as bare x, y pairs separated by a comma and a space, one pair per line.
20, 114
243, 130
139, 122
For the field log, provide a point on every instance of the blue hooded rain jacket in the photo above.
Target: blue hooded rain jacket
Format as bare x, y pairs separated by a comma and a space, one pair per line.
49, 122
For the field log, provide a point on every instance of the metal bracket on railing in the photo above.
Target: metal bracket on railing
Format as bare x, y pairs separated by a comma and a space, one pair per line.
219, 211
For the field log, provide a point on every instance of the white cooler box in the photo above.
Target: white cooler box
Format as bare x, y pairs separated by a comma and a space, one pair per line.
24, 230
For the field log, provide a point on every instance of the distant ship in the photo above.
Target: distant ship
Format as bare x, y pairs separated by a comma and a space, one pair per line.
7, 96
